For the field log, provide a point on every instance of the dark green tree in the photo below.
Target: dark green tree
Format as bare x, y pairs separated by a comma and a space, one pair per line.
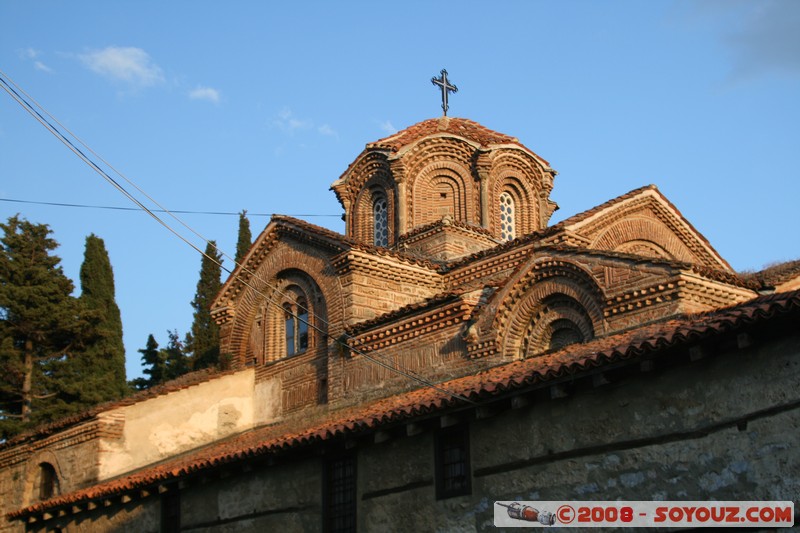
245, 237
175, 358
203, 339
105, 357
162, 365
155, 365
42, 328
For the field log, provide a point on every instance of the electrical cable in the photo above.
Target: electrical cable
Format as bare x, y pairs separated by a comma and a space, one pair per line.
59, 135
183, 212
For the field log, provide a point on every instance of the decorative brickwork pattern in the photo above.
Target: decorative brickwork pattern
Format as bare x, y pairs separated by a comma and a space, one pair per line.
446, 168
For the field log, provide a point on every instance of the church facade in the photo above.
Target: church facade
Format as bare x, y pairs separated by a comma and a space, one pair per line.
450, 350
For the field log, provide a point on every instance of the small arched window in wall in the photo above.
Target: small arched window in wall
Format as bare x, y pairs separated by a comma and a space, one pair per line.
48, 481
296, 326
380, 221
508, 227
564, 333
557, 322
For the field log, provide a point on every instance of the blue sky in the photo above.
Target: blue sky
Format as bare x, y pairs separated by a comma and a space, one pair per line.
212, 106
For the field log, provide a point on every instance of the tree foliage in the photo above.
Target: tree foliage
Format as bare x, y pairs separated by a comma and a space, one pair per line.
104, 358
43, 329
203, 339
162, 365
245, 239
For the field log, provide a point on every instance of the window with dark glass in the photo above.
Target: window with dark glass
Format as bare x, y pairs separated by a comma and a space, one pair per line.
302, 325
171, 510
340, 494
289, 323
296, 326
380, 221
453, 475
48, 481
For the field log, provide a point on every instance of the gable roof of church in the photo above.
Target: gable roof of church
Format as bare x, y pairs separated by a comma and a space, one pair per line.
567, 363
577, 220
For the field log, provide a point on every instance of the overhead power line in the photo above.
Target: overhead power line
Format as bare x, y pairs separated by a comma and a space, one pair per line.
180, 211
38, 111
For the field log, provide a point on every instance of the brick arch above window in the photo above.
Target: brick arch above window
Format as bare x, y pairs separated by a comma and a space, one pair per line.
559, 320
531, 292
48, 481
362, 218
636, 234
43, 477
290, 321
244, 337
525, 205
443, 189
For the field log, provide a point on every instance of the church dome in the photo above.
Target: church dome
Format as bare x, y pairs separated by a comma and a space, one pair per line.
445, 169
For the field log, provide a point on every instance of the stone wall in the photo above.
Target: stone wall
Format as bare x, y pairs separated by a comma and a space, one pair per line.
182, 420
724, 427
72, 453
121, 439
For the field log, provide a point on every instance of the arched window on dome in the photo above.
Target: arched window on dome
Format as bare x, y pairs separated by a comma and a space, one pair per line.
508, 226
380, 220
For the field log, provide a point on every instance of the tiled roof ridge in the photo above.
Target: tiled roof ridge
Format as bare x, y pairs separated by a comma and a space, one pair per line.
716, 274
440, 125
181, 382
436, 299
572, 249
579, 217
398, 254
773, 275
348, 242
462, 127
457, 223
497, 250
583, 215
314, 228
487, 383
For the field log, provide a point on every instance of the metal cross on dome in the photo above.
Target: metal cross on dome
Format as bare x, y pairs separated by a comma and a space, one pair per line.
446, 87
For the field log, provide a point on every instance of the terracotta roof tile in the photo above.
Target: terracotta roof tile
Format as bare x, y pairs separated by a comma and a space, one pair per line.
485, 384
346, 242
774, 275
428, 303
457, 126
457, 223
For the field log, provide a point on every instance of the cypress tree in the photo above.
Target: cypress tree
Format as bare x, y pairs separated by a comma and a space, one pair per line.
105, 357
42, 327
203, 339
245, 237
